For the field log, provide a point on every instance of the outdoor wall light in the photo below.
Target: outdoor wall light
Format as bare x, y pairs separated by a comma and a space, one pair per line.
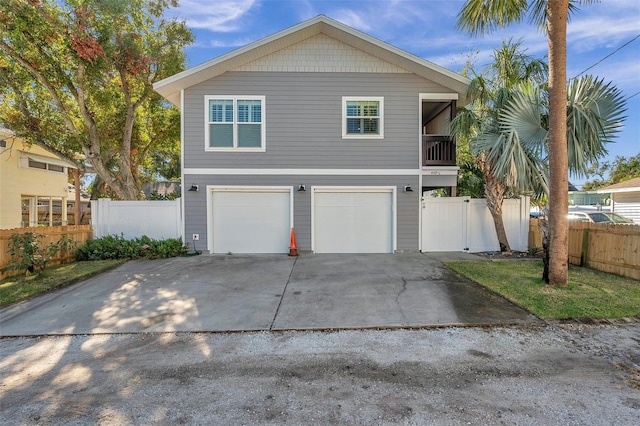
194, 188
301, 188
408, 188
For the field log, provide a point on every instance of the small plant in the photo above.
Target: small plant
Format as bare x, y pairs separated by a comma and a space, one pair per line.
534, 251
28, 254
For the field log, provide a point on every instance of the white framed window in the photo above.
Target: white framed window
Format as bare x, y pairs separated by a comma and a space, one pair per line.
32, 161
362, 117
235, 123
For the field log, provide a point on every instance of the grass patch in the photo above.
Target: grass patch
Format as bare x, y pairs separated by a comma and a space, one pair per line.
590, 294
22, 287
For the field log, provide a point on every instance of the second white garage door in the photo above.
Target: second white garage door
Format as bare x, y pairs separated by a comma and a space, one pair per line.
251, 220
353, 221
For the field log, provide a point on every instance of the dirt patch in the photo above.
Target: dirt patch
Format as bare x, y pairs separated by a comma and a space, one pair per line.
504, 375
514, 255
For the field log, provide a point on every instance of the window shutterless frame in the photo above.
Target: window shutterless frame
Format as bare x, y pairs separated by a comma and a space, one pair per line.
362, 117
235, 123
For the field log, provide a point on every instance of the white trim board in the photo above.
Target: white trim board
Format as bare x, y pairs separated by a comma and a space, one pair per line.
326, 172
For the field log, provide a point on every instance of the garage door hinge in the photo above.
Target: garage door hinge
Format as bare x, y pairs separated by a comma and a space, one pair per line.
466, 201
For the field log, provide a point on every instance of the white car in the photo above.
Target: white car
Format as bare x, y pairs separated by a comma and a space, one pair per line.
599, 217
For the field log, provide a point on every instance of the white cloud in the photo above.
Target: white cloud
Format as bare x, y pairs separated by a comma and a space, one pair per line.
222, 44
218, 16
305, 9
607, 32
354, 19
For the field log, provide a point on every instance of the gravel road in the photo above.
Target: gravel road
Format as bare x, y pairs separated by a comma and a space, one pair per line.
552, 374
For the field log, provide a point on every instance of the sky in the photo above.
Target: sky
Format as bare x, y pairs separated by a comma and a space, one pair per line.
426, 28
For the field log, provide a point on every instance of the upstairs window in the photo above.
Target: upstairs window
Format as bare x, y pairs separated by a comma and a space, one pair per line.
34, 161
362, 118
235, 123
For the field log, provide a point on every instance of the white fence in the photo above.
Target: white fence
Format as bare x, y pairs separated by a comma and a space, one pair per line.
465, 224
155, 219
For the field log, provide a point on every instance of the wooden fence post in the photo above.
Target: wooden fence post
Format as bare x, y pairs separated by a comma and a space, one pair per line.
585, 246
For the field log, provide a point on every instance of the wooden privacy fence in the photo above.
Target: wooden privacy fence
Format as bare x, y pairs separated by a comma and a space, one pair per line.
611, 248
535, 233
50, 234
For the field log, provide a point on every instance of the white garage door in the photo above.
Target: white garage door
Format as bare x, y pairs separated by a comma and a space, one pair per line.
251, 221
353, 221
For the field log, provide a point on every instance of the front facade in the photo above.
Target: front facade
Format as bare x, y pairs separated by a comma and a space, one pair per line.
33, 184
319, 128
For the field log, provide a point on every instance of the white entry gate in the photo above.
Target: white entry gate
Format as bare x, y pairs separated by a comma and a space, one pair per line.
465, 224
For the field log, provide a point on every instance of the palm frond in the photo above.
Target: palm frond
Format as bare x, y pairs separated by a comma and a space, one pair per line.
538, 11
595, 115
479, 17
538, 14
466, 124
523, 115
478, 90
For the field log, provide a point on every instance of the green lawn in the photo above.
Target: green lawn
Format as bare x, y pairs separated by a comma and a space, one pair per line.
590, 294
23, 287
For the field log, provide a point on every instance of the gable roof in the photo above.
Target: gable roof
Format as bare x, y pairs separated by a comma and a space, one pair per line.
171, 87
55, 158
631, 185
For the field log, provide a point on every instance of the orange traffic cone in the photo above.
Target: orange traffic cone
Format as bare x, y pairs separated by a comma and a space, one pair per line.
293, 249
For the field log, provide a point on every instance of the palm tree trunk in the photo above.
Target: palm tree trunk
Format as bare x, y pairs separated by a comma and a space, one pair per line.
494, 194
557, 11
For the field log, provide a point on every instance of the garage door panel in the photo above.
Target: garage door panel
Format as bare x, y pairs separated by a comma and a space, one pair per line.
251, 222
352, 222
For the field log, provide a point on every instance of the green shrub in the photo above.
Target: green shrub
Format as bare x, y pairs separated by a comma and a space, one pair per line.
28, 254
117, 247
156, 196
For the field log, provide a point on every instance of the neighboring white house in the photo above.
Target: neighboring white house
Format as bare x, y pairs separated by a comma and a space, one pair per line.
625, 198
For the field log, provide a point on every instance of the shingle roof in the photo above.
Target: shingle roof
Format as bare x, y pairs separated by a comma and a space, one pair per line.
625, 186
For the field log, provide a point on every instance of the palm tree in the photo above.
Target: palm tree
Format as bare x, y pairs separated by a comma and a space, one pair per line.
481, 16
594, 117
489, 93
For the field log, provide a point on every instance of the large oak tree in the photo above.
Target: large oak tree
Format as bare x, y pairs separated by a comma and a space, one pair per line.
77, 79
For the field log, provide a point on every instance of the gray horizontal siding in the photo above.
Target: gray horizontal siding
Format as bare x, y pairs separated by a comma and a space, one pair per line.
408, 203
304, 120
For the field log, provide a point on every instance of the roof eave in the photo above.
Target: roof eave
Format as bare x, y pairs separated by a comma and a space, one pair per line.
171, 87
619, 190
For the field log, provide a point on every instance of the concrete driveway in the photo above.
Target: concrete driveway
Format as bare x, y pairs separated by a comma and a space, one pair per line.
231, 293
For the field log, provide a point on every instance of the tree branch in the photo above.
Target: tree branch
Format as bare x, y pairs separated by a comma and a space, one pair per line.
44, 81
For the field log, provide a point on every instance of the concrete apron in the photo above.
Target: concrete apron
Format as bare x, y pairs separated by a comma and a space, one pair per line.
249, 293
